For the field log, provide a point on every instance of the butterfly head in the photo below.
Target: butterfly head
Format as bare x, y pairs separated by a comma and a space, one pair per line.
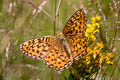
59, 34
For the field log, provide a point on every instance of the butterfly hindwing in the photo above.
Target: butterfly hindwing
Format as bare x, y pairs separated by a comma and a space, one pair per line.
58, 58
78, 47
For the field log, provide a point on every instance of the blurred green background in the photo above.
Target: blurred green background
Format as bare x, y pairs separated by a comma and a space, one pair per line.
18, 24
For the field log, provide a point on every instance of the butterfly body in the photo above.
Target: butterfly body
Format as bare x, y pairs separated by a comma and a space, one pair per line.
59, 51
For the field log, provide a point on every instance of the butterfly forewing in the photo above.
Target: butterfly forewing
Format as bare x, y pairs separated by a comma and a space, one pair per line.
76, 25
74, 30
38, 48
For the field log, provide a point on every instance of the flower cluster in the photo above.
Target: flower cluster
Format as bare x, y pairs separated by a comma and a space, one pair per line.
95, 57
95, 53
93, 28
108, 58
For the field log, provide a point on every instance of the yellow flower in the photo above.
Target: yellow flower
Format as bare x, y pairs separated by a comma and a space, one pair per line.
90, 30
93, 20
101, 59
106, 58
89, 25
100, 45
97, 25
97, 30
98, 18
86, 34
111, 55
93, 37
93, 28
109, 62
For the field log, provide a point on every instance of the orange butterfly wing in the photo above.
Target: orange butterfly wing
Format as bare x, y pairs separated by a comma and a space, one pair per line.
38, 48
75, 32
49, 49
58, 58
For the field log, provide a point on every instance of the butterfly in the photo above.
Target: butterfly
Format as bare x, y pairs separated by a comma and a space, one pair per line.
60, 51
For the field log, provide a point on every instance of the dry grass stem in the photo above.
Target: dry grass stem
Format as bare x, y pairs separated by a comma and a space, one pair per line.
7, 51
